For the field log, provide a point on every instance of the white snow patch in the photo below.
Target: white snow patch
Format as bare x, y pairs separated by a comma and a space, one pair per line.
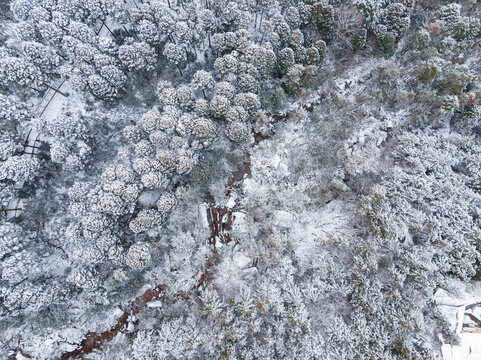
54, 107
239, 224
283, 219
230, 203
241, 260
148, 198
275, 161
203, 215
155, 304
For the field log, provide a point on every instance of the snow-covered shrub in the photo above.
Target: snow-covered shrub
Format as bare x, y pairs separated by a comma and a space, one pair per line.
461, 27
237, 131
219, 105
165, 203
420, 202
138, 256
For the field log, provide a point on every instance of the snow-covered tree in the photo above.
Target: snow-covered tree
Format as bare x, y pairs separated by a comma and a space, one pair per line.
219, 106
237, 131
138, 256
137, 56
176, 55
203, 80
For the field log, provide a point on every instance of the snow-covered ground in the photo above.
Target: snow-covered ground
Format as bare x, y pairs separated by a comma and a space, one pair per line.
454, 307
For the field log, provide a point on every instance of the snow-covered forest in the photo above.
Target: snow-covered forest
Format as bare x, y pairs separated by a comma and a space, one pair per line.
247, 179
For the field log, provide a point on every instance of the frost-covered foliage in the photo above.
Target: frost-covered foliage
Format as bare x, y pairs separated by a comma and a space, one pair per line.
431, 200
243, 179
